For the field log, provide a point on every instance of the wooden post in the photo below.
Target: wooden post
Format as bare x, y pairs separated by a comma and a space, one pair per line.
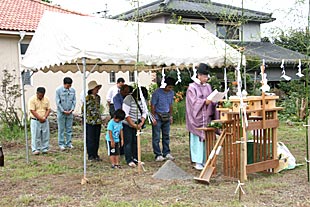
139, 151
308, 147
243, 153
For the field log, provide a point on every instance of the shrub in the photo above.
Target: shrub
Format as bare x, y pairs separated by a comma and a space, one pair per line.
9, 94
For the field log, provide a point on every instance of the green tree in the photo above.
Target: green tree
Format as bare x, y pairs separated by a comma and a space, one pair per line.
296, 40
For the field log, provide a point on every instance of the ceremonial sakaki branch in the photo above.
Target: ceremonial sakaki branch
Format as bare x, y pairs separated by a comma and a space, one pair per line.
62, 42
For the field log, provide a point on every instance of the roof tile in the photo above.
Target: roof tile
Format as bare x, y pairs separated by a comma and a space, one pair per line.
24, 15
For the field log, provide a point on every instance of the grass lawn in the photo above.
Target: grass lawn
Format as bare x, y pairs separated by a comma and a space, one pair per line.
55, 179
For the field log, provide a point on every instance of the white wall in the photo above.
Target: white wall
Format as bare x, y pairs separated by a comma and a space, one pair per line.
251, 32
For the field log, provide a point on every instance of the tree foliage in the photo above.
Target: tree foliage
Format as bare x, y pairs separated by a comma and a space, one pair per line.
9, 94
296, 40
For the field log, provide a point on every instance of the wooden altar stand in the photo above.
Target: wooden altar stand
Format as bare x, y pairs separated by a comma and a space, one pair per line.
261, 147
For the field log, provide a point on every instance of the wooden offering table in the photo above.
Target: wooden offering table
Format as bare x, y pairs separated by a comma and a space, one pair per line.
261, 135
210, 140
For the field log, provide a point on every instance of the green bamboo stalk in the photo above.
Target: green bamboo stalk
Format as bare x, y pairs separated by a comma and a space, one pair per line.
307, 92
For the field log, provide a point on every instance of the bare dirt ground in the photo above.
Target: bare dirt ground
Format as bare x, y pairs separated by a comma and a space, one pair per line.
55, 179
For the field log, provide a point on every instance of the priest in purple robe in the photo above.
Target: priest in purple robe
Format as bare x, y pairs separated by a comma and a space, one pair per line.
199, 113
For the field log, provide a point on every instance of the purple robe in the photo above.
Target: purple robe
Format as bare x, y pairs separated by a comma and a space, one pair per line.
198, 114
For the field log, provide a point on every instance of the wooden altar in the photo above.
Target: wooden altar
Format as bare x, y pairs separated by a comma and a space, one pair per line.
261, 136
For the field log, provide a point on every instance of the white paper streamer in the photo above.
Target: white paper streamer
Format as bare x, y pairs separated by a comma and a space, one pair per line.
265, 87
239, 94
163, 84
286, 77
194, 76
299, 74
149, 116
178, 76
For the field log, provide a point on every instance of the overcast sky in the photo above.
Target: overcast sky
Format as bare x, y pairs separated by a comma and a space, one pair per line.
289, 13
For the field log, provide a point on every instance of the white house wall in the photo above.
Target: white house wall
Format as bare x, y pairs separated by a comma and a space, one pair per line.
160, 19
8, 52
251, 32
9, 58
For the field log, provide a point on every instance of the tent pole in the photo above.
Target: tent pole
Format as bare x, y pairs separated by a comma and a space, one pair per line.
22, 35
84, 114
25, 117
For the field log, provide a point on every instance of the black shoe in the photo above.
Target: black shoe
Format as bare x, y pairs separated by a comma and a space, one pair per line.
98, 159
91, 159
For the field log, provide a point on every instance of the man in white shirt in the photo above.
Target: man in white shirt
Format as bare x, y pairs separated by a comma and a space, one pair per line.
112, 92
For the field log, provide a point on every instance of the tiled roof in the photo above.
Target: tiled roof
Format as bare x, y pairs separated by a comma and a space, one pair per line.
195, 8
271, 53
24, 15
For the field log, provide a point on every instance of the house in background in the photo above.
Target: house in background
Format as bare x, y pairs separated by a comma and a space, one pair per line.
18, 22
239, 27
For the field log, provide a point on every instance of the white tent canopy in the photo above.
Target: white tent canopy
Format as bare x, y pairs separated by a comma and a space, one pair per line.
64, 38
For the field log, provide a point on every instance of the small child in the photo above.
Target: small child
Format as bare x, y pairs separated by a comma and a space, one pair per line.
115, 137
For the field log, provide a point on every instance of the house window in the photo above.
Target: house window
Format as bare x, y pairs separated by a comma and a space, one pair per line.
23, 48
112, 77
26, 75
132, 76
230, 32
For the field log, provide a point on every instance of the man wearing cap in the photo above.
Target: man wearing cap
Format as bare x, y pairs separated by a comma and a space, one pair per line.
199, 113
93, 121
39, 107
112, 92
161, 105
65, 101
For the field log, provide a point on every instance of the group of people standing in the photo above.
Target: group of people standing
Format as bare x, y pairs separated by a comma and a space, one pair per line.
133, 104
128, 112
39, 108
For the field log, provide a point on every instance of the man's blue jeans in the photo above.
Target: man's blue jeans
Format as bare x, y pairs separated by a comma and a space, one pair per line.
163, 127
64, 128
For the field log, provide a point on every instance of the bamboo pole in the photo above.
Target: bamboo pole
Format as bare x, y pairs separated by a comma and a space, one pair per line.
307, 91
139, 151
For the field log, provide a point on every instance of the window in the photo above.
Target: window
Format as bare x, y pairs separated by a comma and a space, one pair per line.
230, 32
112, 77
132, 76
23, 48
26, 75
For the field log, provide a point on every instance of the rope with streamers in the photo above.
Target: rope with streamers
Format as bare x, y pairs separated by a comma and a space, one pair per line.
286, 77
239, 186
178, 76
299, 74
163, 84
